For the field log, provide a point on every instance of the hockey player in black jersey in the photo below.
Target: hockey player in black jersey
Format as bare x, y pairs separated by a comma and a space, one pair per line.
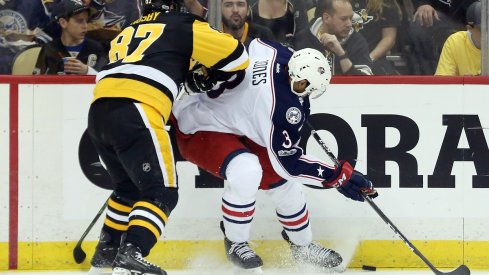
132, 101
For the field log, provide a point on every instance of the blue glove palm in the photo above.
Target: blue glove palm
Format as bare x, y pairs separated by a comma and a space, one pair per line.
356, 185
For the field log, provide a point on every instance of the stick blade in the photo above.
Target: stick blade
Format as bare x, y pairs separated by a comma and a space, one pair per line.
461, 270
79, 255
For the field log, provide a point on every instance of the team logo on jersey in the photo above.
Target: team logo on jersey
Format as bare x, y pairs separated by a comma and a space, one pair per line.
360, 19
146, 167
12, 21
293, 115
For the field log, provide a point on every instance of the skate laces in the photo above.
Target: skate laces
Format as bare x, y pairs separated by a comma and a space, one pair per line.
139, 258
321, 252
314, 253
242, 250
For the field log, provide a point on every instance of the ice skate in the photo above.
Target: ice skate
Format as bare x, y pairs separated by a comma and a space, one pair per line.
130, 261
101, 262
244, 259
315, 255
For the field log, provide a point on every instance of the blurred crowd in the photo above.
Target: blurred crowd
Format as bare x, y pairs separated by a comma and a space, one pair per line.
359, 37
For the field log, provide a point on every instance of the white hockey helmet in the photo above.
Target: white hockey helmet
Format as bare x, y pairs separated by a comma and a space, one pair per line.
310, 64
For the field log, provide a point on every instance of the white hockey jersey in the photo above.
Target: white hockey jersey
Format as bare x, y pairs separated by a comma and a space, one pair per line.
260, 105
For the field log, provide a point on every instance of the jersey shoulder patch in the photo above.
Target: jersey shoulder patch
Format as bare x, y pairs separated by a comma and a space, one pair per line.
293, 115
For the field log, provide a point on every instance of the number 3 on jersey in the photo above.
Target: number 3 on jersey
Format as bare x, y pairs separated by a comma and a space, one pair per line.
287, 143
119, 46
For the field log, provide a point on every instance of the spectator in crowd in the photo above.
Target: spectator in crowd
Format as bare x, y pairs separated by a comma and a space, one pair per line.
106, 20
458, 9
461, 54
283, 17
332, 34
234, 15
432, 23
72, 52
379, 20
21, 25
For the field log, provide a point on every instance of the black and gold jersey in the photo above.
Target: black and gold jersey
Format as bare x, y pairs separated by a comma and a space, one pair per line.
150, 58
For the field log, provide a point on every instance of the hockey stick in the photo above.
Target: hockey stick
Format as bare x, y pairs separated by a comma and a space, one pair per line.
78, 252
461, 270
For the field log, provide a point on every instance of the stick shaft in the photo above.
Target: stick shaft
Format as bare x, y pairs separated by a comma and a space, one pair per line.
95, 219
399, 234
373, 205
79, 243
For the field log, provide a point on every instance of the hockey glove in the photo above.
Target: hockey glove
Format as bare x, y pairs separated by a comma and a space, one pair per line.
351, 183
358, 184
198, 81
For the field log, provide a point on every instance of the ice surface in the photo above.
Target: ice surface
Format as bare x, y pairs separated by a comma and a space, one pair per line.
265, 272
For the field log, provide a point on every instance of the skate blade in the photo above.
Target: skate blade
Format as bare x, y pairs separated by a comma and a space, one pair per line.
242, 271
338, 269
123, 271
100, 271
310, 268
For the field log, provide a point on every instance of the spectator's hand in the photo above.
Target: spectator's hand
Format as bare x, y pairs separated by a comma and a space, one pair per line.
330, 41
3, 2
75, 66
425, 15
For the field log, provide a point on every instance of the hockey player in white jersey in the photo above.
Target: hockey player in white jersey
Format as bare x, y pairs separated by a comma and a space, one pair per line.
247, 132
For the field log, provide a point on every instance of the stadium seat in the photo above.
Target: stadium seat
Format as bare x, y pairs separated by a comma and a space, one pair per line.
25, 61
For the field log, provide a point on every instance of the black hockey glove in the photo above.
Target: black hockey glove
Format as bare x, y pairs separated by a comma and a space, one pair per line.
202, 80
198, 81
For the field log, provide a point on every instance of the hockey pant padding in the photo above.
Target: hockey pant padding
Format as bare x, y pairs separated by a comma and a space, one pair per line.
292, 212
243, 174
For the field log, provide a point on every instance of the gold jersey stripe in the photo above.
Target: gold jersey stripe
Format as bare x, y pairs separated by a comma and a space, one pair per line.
120, 207
130, 88
162, 142
205, 50
111, 224
153, 208
146, 225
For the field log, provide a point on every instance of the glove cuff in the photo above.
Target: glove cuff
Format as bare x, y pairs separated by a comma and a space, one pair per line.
341, 175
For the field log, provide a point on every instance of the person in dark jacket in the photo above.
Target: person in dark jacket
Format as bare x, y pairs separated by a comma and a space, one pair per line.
433, 21
234, 15
283, 17
72, 52
332, 34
